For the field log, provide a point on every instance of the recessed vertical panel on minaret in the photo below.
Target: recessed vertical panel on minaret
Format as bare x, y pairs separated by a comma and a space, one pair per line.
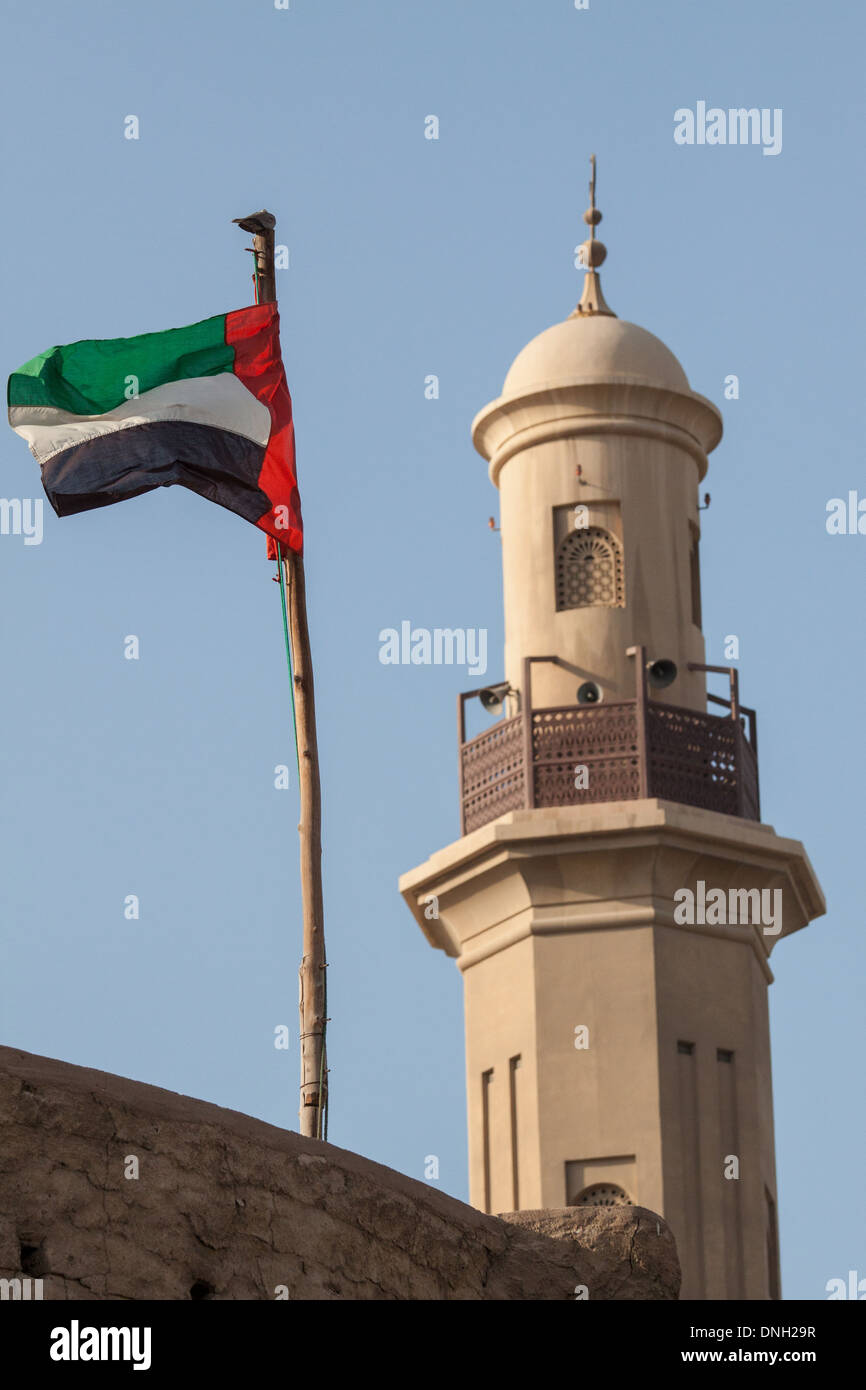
617, 1039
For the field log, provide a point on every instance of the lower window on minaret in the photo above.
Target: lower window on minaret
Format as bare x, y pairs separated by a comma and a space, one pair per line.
601, 1180
773, 1280
602, 1194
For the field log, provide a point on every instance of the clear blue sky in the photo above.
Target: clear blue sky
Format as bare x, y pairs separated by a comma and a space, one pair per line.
409, 257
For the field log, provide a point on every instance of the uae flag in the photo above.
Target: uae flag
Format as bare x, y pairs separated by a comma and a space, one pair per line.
206, 406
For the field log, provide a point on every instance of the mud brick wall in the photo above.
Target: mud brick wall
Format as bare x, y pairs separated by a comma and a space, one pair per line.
227, 1207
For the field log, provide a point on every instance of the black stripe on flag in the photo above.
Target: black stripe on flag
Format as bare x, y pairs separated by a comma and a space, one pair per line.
218, 465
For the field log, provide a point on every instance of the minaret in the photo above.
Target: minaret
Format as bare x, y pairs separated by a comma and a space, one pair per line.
613, 899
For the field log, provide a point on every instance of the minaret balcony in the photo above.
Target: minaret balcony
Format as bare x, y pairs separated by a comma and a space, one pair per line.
624, 750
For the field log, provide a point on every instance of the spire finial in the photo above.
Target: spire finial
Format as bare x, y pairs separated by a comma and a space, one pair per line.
592, 215
592, 255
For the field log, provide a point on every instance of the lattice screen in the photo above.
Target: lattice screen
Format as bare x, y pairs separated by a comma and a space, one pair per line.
589, 570
602, 1194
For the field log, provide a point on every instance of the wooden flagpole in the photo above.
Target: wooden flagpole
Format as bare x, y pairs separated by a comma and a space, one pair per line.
313, 990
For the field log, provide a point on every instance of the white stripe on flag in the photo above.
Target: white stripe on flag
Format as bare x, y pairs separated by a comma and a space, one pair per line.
221, 401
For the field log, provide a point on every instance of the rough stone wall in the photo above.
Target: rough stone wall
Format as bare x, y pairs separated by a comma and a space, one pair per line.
227, 1207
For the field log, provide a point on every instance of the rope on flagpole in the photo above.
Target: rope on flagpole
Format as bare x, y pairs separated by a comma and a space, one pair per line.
282, 578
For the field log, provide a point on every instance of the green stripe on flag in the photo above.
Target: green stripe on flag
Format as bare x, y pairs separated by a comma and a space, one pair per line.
91, 377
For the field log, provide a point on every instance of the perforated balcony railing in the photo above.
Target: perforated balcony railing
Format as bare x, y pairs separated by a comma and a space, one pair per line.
629, 748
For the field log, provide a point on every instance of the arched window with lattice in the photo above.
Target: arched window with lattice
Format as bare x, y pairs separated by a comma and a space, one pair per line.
602, 1194
589, 570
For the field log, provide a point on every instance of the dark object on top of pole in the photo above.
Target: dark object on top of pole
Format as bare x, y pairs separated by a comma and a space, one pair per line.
261, 226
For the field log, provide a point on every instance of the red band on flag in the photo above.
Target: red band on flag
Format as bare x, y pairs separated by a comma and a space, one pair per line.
254, 334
